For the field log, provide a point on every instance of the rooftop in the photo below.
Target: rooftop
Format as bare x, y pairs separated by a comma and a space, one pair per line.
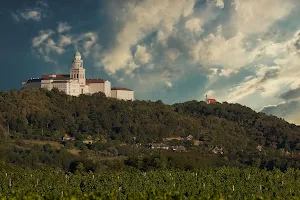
95, 80
118, 88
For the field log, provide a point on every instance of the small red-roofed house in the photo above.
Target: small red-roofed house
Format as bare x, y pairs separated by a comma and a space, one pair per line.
211, 101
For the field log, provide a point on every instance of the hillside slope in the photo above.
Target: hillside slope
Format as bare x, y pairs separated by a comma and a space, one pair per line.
38, 114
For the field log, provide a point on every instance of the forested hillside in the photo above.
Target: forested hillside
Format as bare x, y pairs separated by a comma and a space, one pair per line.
120, 133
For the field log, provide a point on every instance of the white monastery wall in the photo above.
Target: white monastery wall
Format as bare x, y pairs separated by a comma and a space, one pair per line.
96, 87
114, 93
123, 94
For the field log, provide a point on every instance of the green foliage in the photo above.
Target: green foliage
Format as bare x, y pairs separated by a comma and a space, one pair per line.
232, 183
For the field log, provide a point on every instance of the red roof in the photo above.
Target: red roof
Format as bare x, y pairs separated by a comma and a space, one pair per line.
212, 100
95, 80
117, 88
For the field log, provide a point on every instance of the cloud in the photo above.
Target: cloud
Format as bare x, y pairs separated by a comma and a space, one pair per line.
256, 16
34, 13
52, 47
172, 53
43, 35
42, 4
228, 72
141, 19
168, 84
15, 17
218, 3
141, 55
291, 94
46, 46
31, 14
88, 42
288, 110
194, 25
65, 40
63, 27
259, 83
209, 93
212, 76
217, 50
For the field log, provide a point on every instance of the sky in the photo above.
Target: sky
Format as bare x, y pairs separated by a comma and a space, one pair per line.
238, 51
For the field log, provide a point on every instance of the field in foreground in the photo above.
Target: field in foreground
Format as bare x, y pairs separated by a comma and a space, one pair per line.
230, 183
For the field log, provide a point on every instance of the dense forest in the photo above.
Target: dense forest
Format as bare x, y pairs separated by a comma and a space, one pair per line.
106, 133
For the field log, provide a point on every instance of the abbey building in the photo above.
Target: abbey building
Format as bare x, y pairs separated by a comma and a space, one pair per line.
76, 83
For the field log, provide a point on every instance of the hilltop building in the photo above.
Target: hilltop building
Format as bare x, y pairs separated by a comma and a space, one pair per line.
76, 83
209, 100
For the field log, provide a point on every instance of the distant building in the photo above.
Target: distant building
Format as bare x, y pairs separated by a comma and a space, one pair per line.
76, 83
217, 150
87, 141
177, 148
259, 147
159, 146
190, 137
209, 100
67, 138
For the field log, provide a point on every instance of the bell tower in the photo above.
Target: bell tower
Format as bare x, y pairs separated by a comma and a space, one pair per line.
77, 72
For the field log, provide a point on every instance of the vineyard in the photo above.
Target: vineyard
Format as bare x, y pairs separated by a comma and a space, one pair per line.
230, 183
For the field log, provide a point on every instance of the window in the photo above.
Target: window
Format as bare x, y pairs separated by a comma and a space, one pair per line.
77, 75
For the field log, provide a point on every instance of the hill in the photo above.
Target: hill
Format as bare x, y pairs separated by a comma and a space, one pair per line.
209, 134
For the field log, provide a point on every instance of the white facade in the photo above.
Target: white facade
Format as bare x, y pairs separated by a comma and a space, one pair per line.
99, 85
76, 83
122, 93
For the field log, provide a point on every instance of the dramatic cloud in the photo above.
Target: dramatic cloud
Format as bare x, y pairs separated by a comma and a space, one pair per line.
256, 16
238, 50
140, 20
291, 94
63, 27
287, 110
216, 50
259, 83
